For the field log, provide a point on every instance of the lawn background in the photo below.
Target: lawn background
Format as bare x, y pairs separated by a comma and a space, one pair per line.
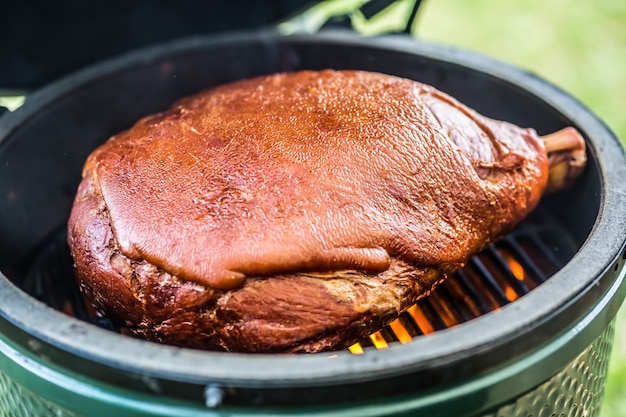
578, 45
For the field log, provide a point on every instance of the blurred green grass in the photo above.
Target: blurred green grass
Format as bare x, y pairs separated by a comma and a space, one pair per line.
579, 46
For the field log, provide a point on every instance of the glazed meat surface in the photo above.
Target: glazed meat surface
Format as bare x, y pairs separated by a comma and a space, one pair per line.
296, 211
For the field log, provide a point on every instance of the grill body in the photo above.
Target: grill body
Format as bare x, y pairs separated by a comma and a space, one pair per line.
576, 390
493, 363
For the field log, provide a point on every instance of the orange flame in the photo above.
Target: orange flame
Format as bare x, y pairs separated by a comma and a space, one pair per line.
516, 268
356, 349
510, 293
420, 319
400, 331
378, 340
445, 311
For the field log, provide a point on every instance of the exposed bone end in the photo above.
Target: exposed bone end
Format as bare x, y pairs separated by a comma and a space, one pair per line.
566, 158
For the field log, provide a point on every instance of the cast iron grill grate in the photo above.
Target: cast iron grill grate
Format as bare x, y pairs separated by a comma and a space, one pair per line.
499, 275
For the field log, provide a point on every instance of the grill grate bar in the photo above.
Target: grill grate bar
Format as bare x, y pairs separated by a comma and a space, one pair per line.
551, 254
401, 328
532, 272
467, 307
474, 296
389, 335
406, 321
516, 282
447, 312
459, 309
490, 282
422, 319
432, 315
531, 269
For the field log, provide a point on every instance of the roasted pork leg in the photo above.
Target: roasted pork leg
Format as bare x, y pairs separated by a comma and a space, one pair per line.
298, 212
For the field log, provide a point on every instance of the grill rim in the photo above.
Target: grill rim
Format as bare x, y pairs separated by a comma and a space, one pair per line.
596, 257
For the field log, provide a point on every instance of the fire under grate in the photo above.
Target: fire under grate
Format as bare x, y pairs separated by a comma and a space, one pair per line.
499, 275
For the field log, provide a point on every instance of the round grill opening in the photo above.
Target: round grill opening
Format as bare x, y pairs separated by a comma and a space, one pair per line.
518, 316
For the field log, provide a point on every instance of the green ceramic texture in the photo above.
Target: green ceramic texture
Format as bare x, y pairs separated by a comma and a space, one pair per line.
576, 391
17, 401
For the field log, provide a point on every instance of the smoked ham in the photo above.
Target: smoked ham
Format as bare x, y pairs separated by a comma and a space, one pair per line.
298, 212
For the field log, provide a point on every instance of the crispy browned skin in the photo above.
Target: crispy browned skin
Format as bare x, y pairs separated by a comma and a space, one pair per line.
294, 212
